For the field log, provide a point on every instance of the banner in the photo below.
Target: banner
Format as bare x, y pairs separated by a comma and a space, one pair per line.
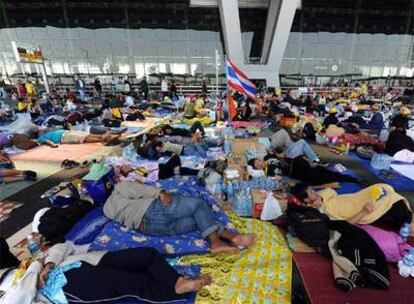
27, 53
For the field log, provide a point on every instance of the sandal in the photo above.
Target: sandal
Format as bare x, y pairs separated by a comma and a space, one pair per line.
69, 164
85, 163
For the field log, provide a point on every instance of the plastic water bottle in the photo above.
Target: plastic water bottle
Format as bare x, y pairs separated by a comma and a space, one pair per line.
240, 203
248, 202
32, 245
348, 146
230, 191
226, 148
405, 231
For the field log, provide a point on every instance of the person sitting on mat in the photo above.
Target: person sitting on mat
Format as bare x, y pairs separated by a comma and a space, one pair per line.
56, 137
298, 168
378, 203
69, 274
158, 213
331, 119
281, 140
8, 173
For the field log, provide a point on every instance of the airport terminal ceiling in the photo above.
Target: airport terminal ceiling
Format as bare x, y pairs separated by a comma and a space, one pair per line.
352, 16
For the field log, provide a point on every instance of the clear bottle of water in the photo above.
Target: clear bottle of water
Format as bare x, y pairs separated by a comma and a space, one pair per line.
248, 203
230, 190
405, 231
32, 245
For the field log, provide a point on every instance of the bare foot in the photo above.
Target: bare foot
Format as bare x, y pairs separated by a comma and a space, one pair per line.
244, 240
184, 285
54, 146
222, 247
106, 136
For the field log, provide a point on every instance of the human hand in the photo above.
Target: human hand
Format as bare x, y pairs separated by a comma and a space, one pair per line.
44, 274
368, 208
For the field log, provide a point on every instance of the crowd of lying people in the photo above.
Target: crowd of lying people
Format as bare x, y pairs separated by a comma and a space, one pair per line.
348, 228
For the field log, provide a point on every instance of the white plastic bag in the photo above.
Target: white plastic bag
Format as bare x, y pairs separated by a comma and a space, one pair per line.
271, 208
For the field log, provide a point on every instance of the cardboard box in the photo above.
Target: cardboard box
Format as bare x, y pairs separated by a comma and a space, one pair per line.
241, 145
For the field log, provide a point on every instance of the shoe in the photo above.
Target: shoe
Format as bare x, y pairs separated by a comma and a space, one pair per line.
321, 163
30, 175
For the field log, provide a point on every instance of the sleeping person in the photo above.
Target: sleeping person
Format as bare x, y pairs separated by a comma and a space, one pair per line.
378, 203
156, 212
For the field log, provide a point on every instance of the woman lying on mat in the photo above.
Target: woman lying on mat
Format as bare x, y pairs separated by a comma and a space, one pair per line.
9, 174
158, 213
56, 137
378, 203
69, 274
299, 168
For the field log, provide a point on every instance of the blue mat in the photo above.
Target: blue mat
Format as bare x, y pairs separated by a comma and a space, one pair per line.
400, 182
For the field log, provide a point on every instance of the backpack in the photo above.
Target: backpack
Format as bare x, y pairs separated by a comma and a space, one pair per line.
309, 131
311, 226
57, 222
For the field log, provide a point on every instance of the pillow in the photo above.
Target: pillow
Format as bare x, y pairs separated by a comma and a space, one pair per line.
86, 230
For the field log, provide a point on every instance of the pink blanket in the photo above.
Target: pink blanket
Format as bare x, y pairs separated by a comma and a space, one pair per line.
391, 243
245, 124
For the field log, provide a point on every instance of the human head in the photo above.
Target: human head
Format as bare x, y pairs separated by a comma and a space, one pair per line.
375, 108
405, 111
167, 130
257, 164
306, 194
158, 146
165, 197
333, 111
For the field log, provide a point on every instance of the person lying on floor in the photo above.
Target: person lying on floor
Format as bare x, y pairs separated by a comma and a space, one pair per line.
156, 149
389, 208
174, 131
8, 173
281, 140
298, 168
155, 212
151, 171
56, 137
69, 274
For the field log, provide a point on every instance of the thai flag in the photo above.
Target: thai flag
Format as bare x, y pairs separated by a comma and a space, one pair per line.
239, 82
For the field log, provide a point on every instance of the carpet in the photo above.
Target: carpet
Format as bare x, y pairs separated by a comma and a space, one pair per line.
316, 272
261, 274
57, 155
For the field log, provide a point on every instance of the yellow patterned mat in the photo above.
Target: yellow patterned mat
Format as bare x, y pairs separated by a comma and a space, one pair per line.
261, 274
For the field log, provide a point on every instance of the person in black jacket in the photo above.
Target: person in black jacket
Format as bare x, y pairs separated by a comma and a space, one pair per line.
299, 168
398, 140
331, 119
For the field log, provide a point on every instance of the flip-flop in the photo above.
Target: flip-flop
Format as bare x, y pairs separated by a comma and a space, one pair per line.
69, 164
85, 163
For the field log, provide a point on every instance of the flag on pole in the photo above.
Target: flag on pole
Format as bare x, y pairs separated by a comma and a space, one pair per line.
232, 106
238, 81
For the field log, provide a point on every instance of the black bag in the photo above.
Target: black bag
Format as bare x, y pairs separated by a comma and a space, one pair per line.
311, 226
309, 132
57, 222
111, 123
134, 116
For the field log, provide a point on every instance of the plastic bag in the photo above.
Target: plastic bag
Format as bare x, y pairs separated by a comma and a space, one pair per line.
271, 208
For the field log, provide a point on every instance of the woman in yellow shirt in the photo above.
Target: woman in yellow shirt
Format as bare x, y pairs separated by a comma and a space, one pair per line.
376, 203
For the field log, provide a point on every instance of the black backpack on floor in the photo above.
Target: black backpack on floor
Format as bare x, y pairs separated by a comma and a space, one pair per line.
311, 226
